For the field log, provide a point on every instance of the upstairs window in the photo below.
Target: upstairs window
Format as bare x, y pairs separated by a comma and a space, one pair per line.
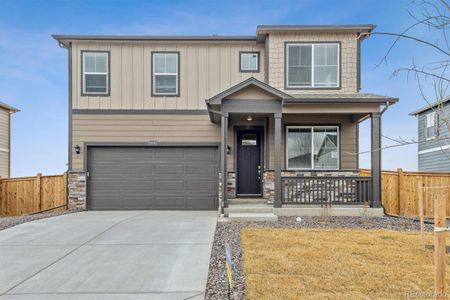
312, 65
431, 125
95, 73
249, 61
165, 73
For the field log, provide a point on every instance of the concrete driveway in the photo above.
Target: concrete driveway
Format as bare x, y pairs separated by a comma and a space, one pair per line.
108, 255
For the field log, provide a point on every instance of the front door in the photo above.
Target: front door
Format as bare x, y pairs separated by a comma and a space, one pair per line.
248, 161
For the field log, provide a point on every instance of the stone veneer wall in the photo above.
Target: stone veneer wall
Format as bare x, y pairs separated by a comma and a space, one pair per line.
231, 187
77, 190
269, 179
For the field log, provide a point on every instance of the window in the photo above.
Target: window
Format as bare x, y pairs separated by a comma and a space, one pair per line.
249, 140
312, 65
249, 61
95, 73
165, 73
431, 125
314, 147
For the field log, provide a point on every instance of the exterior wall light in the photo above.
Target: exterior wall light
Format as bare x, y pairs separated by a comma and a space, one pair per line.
249, 118
77, 149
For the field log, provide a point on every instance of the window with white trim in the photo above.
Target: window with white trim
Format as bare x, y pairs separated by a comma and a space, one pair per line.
431, 125
165, 73
249, 62
312, 65
95, 73
312, 147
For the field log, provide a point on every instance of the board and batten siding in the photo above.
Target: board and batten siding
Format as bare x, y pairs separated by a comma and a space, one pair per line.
4, 142
206, 69
437, 160
139, 128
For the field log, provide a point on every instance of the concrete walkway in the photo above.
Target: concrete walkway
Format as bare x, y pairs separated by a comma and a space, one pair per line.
108, 255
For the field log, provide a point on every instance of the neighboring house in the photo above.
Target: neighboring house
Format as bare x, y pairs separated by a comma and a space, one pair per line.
5, 139
433, 136
155, 120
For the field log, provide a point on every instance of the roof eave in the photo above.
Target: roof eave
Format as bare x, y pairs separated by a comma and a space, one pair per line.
10, 108
263, 30
389, 100
429, 106
64, 39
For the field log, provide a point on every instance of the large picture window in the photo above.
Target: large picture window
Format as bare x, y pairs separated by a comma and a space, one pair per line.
312, 147
95, 73
312, 65
165, 73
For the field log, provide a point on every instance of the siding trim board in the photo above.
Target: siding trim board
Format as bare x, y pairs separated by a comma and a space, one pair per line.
70, 70
444, 147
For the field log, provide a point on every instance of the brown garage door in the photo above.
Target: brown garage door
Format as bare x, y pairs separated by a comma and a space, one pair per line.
171, 178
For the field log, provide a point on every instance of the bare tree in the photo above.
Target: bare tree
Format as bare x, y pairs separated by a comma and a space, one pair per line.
431, 16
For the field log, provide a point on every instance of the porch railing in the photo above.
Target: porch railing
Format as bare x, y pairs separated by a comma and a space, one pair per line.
326, 190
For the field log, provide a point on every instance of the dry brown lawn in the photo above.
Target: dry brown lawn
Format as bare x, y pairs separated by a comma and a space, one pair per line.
335, 264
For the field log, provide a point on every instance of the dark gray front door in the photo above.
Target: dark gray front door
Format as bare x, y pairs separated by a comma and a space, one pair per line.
172, 178
248, 162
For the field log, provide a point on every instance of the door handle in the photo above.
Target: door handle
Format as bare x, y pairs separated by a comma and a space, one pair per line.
259, 172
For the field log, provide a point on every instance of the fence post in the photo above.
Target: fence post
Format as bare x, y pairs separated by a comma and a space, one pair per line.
37, 190
420, 191
400, 192
439, 245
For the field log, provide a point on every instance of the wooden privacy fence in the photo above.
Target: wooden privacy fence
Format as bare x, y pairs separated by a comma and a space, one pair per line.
400, 191
26, 195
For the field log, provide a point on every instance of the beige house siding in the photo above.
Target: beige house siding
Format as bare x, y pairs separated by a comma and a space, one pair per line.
348, 137
4, 142
206, 69
349, 64
134, 128
107, 128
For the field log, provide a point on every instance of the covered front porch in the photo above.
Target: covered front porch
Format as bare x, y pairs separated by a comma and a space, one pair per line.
293, 151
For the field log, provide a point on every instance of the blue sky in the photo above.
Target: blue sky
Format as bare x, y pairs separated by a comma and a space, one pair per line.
33, 69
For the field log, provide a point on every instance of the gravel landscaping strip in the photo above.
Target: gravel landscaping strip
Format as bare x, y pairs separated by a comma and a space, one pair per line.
6, 222
229, 233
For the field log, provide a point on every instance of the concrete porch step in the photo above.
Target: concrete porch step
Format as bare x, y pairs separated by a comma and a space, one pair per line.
247, 201
248, 208
252, 217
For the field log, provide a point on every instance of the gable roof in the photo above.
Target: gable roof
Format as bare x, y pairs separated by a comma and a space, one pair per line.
244, 84
430, 106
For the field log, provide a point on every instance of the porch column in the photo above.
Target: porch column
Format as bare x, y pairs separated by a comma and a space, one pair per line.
223, 158
376, 158
277, 160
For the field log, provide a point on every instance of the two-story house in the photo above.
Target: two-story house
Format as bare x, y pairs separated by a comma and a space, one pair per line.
433, 136
164, 122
